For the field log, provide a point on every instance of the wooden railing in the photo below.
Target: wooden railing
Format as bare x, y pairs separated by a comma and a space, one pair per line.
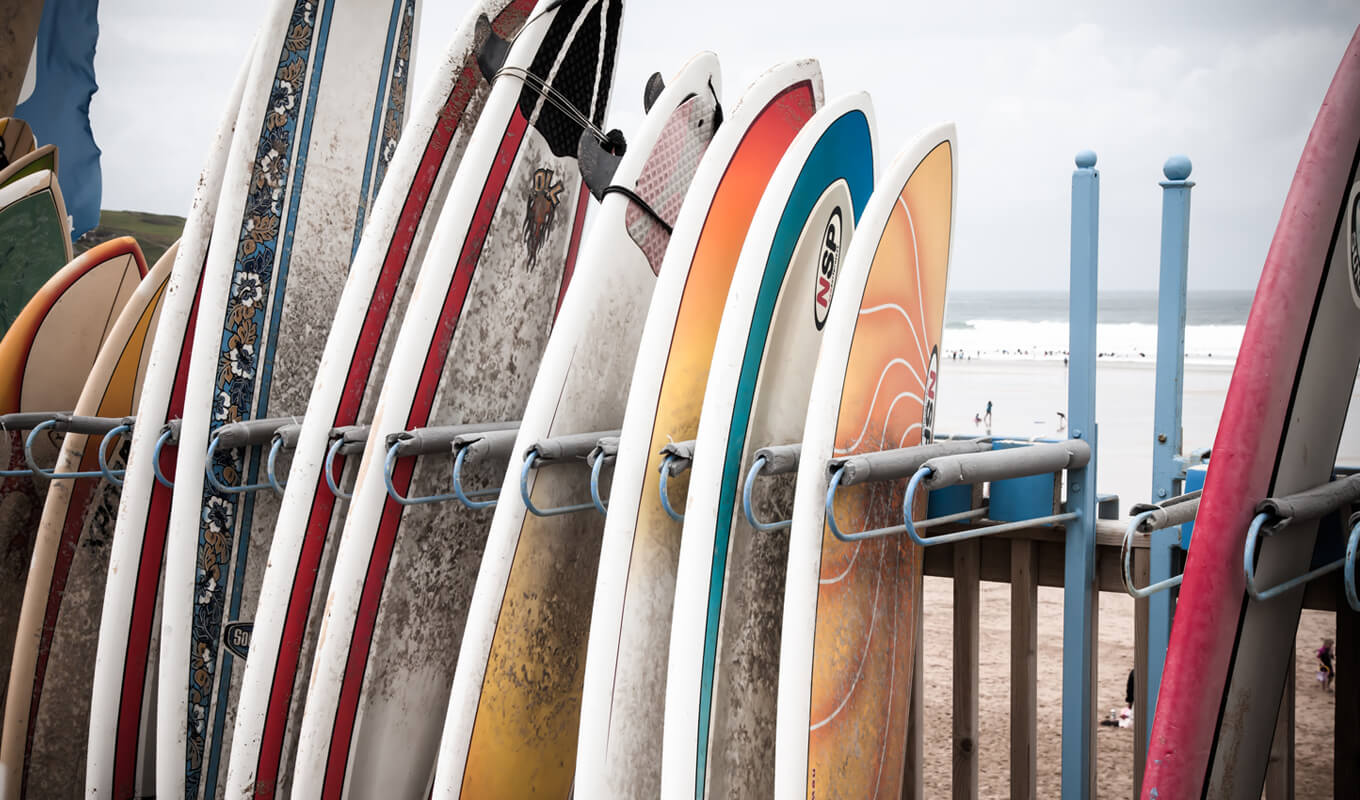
1031, 558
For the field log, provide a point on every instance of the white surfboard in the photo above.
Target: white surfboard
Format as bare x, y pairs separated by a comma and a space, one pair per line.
724, 648
47, 712
622, 700
469, 346
357, 353
118, 758
508, 736
849, 622
304, 164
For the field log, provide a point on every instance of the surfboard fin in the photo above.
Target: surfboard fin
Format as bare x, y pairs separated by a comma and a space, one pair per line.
655, 86
599, 160
492, 50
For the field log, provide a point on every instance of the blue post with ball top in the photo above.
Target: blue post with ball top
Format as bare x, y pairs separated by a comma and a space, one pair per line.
1079, 569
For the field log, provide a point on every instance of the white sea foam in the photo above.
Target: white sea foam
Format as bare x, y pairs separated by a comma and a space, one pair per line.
1025, 339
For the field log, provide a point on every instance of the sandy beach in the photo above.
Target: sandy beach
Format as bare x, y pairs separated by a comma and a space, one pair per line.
1025, 395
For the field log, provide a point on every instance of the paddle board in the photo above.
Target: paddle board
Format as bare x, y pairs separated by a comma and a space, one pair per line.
35, 240
44, 359
43, 158
16, 140
849, 632
499, 259
619, 750
507, 735
119, 758
358, 350
44, 742
288, 216
1229, 656
724, 650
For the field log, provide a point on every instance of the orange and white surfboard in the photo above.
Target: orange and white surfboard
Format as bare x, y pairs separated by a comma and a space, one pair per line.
849, 628
44, 360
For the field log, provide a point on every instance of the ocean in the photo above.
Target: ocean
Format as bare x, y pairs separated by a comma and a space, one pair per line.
1033, 325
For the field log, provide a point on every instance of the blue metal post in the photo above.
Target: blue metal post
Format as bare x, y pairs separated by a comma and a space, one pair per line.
1079, 572
1167, 470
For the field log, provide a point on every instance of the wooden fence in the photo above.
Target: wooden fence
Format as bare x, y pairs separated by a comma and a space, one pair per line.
1031, 558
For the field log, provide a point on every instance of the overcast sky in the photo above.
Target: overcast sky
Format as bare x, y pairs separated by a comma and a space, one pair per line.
1234, 85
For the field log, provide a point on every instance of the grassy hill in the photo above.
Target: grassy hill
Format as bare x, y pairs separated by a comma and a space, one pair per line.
153, 232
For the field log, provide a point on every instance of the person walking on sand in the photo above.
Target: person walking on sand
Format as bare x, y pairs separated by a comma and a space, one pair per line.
1326, 669
987, 415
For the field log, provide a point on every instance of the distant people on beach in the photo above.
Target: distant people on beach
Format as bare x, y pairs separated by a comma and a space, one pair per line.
987, 415
1326, 667
1122, 717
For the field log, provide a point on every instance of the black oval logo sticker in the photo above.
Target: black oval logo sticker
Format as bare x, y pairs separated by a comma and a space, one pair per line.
236, 637
928, 409
828, 264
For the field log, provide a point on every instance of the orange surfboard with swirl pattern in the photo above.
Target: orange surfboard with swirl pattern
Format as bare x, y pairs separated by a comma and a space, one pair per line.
850, 609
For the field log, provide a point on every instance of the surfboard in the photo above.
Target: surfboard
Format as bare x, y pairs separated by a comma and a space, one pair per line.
724, 650
619, 751
358, 350
849, 629
1281, 426
16, 140
44, 742
512, 736
500, 257
120, 755
44, 359
35, 240
291, 208
43, 158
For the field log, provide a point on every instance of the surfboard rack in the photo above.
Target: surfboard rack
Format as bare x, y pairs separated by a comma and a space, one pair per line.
1275, 514
777, 460
574, 448
23, 421
169, 435
238, 436
65, 422
942, 472
344, 440
285, 437
888, 465
676, 458
1148, 518
488, 444
114, 477
605, 452
427, 442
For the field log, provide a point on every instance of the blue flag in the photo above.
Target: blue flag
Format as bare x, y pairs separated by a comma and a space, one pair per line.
59, 108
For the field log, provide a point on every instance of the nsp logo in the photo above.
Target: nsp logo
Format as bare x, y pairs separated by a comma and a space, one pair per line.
828, 264
928, 407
